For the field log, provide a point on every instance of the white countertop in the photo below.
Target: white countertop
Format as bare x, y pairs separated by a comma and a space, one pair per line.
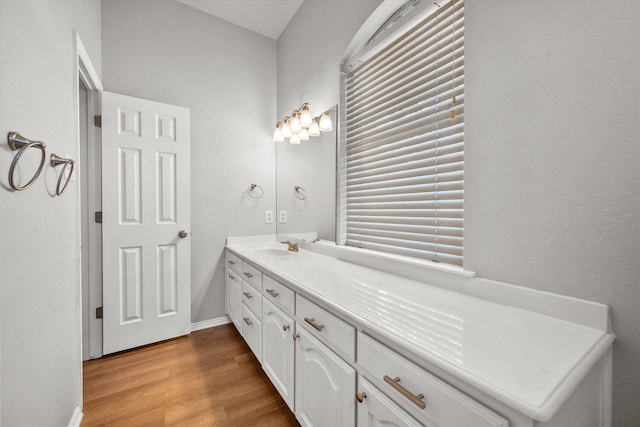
527, 360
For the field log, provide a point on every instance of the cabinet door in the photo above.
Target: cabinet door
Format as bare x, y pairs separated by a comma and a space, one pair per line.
278, 350
376, 409
232, 297
252, 331
325, 385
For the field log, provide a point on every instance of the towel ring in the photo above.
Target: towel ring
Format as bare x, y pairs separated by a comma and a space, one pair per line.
21, 144
299, 192
56, 161
251, 189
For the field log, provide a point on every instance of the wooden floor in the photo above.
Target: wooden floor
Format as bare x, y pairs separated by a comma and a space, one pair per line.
209, 378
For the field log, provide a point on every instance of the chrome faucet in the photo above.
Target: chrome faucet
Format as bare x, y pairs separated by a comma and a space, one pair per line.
293, 247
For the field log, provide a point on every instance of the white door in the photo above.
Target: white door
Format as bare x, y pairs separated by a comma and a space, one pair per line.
146, 221
278, 349
325, 385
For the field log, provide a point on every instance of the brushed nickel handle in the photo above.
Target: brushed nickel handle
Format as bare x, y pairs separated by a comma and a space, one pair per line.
247, 321
312, 322
248, 294
285, 328
361, 396
249, 275
416, 399
231, 262
182, 234
272, 293
296, 336
232, 277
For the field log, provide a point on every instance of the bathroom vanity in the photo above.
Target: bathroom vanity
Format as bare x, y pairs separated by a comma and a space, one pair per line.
349, 344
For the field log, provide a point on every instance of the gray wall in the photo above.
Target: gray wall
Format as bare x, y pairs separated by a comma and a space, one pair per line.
552, 199
169, 52
39, 248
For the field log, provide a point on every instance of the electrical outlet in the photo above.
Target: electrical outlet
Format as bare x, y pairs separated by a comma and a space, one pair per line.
283, 217
268, 217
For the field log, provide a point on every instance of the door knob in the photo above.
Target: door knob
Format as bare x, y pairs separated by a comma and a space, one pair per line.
182, 234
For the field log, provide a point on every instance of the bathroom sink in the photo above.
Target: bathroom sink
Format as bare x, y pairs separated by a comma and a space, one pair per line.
273, 252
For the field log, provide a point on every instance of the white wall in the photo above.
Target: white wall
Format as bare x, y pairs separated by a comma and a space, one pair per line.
552, 197
39, 248
168, 52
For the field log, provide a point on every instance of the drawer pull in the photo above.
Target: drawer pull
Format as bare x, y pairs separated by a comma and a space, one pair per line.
296, 336
285, 328
231, 262
272, 293
312, 322
248, 295
418, 400
247, 321
232, 277
249, 275
361, 396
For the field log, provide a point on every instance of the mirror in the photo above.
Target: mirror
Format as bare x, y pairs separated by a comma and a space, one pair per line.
306, 184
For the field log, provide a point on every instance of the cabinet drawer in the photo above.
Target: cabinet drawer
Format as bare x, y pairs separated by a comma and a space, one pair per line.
411, 386
252, 274
252, 298
278, 293
334, 331
233, 262
252, 331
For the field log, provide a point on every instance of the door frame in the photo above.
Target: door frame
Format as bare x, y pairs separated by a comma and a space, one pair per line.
85, 72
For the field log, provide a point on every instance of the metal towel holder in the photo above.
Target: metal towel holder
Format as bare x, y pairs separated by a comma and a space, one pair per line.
21, 144
299, 192
56, 161
255, 194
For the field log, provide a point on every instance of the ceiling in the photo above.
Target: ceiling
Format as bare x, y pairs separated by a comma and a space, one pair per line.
266, 17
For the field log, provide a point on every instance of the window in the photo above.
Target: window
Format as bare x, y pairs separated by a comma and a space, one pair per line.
402, 137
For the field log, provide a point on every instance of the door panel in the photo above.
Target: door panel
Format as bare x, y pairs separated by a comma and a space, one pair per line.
146, 203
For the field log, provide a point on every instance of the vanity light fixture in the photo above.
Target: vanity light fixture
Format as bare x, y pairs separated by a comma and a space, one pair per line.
277, 133
325, 122
300, 125
286, 129
295, 124
305, 116
314, 129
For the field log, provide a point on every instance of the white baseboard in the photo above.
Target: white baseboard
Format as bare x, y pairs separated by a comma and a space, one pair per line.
76, 418
218, 321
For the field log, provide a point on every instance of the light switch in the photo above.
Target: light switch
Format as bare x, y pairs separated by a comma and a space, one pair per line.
283, 217
268, 217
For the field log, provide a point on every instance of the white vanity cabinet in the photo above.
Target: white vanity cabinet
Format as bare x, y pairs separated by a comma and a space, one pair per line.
278, 349
325, 385
376, 409
344, 347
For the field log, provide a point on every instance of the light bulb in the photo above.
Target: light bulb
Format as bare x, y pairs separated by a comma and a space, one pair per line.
314, 129
277, 134
295, 122
325, 122
295, 139
286, 129
303, 134
305, 116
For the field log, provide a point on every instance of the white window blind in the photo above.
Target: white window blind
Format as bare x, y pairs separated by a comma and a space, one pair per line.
403, 133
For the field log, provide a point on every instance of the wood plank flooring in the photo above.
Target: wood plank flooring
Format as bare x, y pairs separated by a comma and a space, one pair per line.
209, 378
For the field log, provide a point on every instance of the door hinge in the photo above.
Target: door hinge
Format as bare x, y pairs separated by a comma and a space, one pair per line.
98, 217
98, 312
97, 121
